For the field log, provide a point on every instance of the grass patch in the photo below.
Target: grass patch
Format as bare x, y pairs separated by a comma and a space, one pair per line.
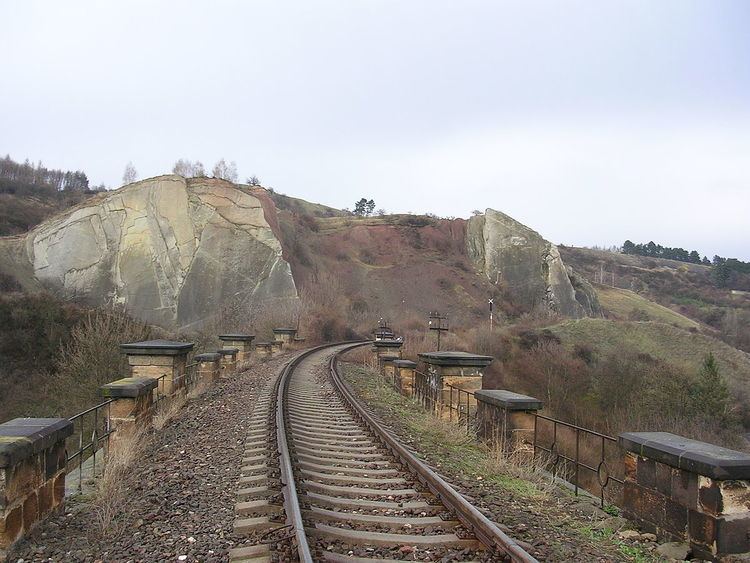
631, 552
522, 496
449, 446
625, 304
662, 341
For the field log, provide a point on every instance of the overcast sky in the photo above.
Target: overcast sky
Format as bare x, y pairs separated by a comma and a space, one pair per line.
591, 122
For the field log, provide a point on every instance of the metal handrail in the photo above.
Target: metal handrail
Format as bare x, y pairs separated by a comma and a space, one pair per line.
97, 437
432, 400
602, 471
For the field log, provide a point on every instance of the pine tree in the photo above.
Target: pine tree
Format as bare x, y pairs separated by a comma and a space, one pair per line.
710, 392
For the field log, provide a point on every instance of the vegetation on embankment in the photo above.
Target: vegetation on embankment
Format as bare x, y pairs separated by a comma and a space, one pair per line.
688, 289
611, 376
57, 354
616, 376
626, 305
553, 524
30, 193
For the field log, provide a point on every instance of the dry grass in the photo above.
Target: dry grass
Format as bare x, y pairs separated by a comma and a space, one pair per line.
168, 410
519, 461
627, 305
111, 492
200, 387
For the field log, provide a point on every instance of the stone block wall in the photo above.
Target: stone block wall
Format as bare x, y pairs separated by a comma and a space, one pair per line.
684, 489
506, 418
32, 473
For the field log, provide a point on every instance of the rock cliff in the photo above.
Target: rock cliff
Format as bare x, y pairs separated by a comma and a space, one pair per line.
171, 251
527, 266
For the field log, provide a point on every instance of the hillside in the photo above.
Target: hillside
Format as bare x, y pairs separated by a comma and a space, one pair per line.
687, 289
662, 341
624, 305
31, 193
179, 253
617, 376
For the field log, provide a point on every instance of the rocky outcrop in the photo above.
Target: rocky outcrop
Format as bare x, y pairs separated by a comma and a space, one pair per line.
526, 266
171, 251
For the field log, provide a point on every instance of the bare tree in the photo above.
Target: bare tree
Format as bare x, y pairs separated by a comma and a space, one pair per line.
183, 168
188, 169
225, 170
253, 180
130, 175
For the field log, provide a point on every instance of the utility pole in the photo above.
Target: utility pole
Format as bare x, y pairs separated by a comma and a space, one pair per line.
491, 303
436, 324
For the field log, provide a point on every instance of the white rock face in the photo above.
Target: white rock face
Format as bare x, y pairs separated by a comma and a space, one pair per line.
172, 251
526, 265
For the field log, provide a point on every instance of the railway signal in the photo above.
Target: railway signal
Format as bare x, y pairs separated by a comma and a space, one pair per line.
438, 323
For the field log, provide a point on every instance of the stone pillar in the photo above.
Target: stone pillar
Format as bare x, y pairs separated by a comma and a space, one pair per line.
506, 418
209, 366
387, 347
386, 367
264, 349
243, 342
132, 408
460, 370
285, 335
684, 489
154, 358
277, 346
404, 376
32, 473
228, 359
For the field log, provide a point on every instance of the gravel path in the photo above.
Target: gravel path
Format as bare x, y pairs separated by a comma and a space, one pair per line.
180, 494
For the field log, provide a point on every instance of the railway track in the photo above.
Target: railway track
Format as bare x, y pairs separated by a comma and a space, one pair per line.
324, 481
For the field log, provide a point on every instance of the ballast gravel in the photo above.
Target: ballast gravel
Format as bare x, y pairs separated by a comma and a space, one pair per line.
181, 492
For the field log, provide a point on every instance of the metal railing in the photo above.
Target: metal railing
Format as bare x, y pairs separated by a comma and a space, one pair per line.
464, 407
189, 379
573, 449
587, 459
92, 429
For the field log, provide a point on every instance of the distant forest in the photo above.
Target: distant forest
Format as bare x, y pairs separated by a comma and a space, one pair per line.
722, 268
29, 193
36, 180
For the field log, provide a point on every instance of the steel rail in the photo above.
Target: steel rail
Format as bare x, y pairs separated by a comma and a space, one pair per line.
483, 528
289, 488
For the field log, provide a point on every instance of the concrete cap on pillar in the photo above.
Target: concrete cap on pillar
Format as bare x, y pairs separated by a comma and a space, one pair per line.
388, 343
128, 387
690, 455
404, 363
21, 438
283, 330
508, 400
157, 348
228, 351
263, 344
237, 337
207, 357
388, 358
462, 359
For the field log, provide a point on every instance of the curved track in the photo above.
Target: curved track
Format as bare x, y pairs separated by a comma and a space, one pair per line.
351, 491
